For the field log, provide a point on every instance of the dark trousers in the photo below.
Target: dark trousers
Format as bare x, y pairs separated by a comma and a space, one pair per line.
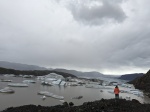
117, 96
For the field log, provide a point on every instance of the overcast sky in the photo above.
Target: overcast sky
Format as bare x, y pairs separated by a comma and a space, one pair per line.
109, 36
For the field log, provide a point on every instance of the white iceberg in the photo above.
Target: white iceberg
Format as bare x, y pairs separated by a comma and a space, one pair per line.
63, 83
57, 97
57, 82
18, 84
29, 81
49, 94
7, 90
96, 86
42, 92
3, 80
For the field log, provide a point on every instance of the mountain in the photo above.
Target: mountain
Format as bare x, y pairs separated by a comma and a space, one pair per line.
143, 82
25, 67
18, 66
33, 72
130, 77
93, 74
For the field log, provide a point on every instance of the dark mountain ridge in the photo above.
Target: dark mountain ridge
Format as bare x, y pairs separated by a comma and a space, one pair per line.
25, 67
33, 72
130, 77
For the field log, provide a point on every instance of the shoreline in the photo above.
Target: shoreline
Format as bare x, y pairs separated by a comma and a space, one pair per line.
103, 105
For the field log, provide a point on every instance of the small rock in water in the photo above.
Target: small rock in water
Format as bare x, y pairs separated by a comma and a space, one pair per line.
101, 90
65, 104
71, 104
78, 97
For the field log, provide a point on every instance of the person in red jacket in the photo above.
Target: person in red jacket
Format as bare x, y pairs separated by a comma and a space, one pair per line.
116, 91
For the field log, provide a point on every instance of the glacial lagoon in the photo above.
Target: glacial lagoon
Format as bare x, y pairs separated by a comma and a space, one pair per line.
28, 95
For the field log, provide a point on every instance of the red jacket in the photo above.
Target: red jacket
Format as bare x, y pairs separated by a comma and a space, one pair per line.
116, 90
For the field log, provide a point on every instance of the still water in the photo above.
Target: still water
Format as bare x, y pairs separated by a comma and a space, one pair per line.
28, 95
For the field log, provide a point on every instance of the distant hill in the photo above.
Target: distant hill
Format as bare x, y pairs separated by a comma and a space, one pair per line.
130, 77
33, 72
18, 66
143, 82
25, 67
93, 74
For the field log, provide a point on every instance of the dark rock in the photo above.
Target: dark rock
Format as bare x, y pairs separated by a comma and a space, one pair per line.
10, 108
103, 105
71, 104
85, 103
135, 101
65, 104
102, 100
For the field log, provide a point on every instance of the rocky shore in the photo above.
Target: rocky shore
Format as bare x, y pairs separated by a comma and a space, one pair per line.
102, 105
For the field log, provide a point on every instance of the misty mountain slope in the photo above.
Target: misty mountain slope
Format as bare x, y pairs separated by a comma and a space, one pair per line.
18, 66
81, 74
130, 77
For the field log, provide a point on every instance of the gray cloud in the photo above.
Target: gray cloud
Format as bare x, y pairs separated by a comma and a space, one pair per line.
46, 33
97, 11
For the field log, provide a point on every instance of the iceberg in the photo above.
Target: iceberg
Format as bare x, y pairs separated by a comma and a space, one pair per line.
96, 86
136, 92
42, 92
57, 82
18, 84
46, 83
49, 94
7, 90
3, 80
29, 81
57, 97
63, 83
